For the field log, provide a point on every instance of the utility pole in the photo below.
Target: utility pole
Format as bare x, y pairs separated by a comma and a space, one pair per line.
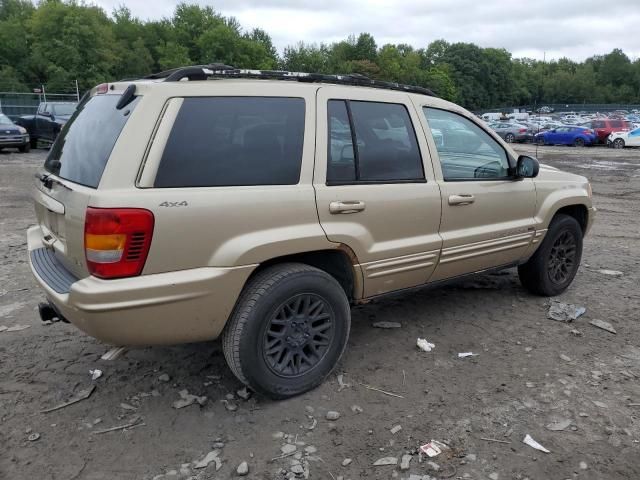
77, 91
44, 94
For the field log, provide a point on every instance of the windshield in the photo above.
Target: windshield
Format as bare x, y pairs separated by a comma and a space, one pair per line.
4, 120
63, 109
84, 145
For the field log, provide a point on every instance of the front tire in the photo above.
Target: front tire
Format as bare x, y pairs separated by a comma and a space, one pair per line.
33, 142
288, 330
550, 270
25, 148
509, 138
618, 143
579, 142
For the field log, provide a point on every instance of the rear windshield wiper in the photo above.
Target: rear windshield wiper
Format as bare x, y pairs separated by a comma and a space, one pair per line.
127, 97
48, 181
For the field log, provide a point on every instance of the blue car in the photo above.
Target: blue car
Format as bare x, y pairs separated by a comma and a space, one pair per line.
567, 135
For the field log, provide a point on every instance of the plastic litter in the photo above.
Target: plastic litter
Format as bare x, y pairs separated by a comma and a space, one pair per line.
467, 354
341, 384
95, 374
613, 273
559, 426
433, 448
114, 353
424, 345
565, 312
210, 457
533, 444
603, 325
381, 462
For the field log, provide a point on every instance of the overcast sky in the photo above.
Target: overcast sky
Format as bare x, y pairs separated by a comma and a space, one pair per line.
573, 28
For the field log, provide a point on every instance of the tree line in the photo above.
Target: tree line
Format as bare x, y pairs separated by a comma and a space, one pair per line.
56, 42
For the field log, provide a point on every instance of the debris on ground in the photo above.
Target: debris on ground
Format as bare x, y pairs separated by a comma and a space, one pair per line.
381, 462
346, 462
533, 444
164, 378
3, 328
95, 374
81, 395
424, 345
243, 469
375, 389
603, 325
244, 393
494, 440
559, 425
387, 325
356, 409
564, 357
114, 353
230, 406
332, 415
576, 332
33, 437
433, 448
187, 399
613, 273
600, 404
288, 448
17, 328
126, 406
396, 429
136, 422
467, 354
341, 384
565, 312
211, 457
405, 462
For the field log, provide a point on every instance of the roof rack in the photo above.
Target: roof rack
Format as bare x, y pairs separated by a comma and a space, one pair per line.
218, 70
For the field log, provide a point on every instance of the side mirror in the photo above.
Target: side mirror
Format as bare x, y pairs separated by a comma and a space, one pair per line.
527, 167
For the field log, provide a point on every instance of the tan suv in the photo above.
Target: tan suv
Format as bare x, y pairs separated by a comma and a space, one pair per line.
258, 206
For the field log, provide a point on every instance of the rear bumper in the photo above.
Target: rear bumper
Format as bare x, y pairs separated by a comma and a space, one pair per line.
166, 308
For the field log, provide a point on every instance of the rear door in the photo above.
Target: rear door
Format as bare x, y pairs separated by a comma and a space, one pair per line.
487, 216
72, 171
375, 188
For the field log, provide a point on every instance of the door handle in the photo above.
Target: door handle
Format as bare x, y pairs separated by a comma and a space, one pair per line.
461, 199
353, 206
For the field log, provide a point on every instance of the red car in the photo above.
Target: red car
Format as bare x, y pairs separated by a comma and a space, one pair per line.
606, 126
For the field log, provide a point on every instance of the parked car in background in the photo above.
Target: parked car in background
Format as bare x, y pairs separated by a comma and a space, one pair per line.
48, 121
567, 135
12, 135
624, 139
606, 126
511, 132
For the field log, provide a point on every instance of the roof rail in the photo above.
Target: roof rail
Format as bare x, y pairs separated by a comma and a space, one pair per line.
218, 70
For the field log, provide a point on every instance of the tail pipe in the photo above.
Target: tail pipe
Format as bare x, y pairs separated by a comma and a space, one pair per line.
48, 313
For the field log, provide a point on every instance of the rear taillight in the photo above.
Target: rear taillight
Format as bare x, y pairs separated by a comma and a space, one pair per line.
102, 88
523, 130
587, 132
117, 241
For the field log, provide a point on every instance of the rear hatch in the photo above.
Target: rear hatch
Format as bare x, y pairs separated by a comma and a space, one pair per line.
72, 173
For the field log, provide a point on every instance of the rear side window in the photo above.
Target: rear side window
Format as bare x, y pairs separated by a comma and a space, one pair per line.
84, 145
371, 142
234, 141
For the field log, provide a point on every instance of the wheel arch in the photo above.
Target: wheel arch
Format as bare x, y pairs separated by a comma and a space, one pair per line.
577, 211
340, 263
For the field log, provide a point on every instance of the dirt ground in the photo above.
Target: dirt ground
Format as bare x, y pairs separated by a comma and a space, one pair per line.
517, 384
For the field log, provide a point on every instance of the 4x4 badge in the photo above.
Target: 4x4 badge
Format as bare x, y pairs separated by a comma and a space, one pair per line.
174, 204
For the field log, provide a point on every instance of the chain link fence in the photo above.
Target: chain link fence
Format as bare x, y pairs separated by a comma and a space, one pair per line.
568, 107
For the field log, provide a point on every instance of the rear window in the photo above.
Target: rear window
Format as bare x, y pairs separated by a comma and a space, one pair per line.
84, 145
234, 141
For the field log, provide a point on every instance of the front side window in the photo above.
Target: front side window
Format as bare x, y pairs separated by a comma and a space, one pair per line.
371, 142
234, 141
466, 151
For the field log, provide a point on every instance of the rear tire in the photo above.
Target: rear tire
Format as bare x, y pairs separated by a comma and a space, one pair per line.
288, 330
33, 142
553, 267
509, 138
579, 142
25, 148
541, 141
618, 143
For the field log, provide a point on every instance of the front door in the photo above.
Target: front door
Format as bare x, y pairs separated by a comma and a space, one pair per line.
487, 216
375, 188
